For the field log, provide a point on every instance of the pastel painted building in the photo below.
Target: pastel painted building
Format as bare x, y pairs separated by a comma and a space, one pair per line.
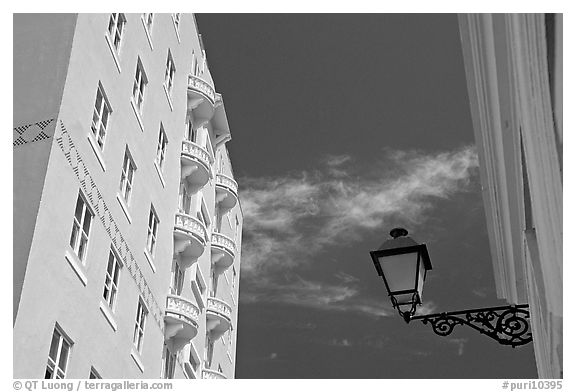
514, 72
127, 223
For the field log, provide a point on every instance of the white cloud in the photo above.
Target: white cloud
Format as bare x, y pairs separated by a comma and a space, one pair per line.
294, 290
290, 220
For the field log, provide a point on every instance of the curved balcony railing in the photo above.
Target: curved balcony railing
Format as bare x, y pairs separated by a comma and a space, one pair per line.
223, 251
181, 318
196, 162
198, 85
218, 317
213, 375
190, 237
226, 191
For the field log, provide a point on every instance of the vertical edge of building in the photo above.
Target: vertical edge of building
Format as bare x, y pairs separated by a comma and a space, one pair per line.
514, 73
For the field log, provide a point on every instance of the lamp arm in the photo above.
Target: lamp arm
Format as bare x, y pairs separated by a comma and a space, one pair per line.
508, 325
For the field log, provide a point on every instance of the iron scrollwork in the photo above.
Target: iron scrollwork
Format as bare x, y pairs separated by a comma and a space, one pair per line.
508, 325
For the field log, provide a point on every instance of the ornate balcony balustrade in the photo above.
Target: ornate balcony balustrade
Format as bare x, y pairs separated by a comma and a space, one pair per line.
195, 164
199, 86
181, 318
223, 251
226, 191
190, 237
218, 317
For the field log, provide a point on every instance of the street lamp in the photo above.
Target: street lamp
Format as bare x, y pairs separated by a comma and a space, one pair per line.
402, 263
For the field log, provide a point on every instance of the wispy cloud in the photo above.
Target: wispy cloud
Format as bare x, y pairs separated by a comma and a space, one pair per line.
290, 220
287, 219
294, 290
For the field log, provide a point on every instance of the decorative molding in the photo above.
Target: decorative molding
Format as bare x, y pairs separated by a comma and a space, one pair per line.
102, 211
31, 133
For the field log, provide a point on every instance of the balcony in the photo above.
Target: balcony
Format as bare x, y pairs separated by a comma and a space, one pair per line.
190, 237
226, 191
223, 250
213, 375
181, 319
195, 162
201, 98
218, 317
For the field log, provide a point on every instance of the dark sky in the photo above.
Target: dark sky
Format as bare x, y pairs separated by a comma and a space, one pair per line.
343, 127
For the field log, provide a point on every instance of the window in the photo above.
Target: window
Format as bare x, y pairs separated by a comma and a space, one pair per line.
177, 279
176, 18
169, 364
127, 177
101, 116
161, 150
94, 374
116, 29
170, 71
81, 228
190, 134
112, 279
140, 82
194, 361
194, 64
148, 20
58, 355
214, 287
184, 199
208, 353
200, 282
202, 214
152, 232
198, 286
141, 314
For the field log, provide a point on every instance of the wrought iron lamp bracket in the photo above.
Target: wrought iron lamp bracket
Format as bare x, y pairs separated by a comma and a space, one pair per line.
508, 325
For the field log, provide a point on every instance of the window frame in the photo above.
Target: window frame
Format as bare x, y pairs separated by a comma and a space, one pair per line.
161, 148
139, 86
112, 281
127, 174
177, 18
115, 20
170, 73
152, 236
94, 372
78, 228
177, 277
140, 326
148, 21
98, 130
54, 364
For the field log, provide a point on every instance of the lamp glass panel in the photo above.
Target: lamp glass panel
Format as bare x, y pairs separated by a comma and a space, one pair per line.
400, 271
405, 308
421, 274
403, 299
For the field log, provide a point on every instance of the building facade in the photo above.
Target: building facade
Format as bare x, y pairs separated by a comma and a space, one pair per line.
514, 73
127, 223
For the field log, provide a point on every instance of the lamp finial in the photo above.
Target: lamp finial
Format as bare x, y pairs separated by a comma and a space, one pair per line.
398, 232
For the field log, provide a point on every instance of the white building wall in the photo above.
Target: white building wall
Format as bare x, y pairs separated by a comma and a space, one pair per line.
55, 292
511, 96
